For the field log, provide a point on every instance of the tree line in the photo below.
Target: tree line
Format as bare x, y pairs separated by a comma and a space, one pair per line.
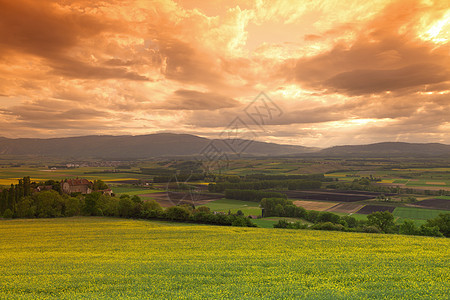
251, 195
14, 197
364, 184
298, 184
377, 222
26, 203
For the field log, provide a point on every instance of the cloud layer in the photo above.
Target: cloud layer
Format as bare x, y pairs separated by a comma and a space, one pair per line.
342, 72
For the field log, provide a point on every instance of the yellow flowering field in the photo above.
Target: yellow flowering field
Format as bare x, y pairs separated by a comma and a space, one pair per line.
109, 258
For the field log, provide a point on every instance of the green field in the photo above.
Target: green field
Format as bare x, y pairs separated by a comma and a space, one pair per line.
417, 213
12, 174
225, 205
107, 258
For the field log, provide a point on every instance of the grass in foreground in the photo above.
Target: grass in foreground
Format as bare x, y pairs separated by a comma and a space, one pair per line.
107, 258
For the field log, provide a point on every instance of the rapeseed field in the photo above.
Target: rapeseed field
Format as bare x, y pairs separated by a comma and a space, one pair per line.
108, 258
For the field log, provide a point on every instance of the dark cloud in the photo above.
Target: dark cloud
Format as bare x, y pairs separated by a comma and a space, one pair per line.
42, 28
49, 31
194, 100
357, 82
71, 68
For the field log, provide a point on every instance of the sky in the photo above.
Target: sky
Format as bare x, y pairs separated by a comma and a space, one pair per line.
314, 73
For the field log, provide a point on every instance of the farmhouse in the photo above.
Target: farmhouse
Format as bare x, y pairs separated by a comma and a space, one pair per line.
44, 188
77, 185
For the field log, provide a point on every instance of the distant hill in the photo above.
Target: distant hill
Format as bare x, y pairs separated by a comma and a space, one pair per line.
141, 146
388, 149
175, 145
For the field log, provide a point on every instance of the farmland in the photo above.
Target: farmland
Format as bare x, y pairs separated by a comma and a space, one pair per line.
122, 259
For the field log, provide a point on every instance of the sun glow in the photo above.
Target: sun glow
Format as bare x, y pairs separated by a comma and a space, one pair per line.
439, 32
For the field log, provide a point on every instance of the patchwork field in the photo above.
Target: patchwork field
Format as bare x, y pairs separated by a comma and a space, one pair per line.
417, 213
315, 205
124, 259
225, 205
331, 195
349, 208
12, 174
438, 203
368, 209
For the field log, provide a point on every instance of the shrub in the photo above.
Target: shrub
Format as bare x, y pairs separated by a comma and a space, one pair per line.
7, 214
178, 213
351, 221
328, 226
371, 229
442, 222
126, 206
289, 225
384, 220
430, 231
408, 227
326, 216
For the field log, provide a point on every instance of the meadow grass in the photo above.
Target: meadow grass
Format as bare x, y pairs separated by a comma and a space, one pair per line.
108, 258
417, 213
225, 205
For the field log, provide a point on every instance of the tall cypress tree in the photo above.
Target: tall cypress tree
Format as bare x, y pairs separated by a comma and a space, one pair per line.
11, 197
3, 201
27, 186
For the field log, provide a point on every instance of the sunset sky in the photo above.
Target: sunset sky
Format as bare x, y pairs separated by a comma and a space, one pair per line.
341, 72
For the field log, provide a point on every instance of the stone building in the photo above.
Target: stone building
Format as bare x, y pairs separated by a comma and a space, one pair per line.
78, 185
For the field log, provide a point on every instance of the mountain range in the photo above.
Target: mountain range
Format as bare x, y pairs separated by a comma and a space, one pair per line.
177, 145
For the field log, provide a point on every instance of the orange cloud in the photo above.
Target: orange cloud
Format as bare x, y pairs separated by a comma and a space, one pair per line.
74, 67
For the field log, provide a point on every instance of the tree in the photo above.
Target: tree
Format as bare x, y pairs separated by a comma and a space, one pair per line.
178, 213
430, 231
126, 206
408, 227
99, 185
326, 216
442, 222
27, 186
384, 220
50, 204
351, 221
8, 214
73, 207
91, 207
26, 208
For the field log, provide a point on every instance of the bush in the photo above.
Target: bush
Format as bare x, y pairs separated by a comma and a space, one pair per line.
7, 214
442, 222
25, 208
408, 227
312, 216
178, 213
239, 221
328, 226
384, 220
281, 224
50, 204
289, 225
371, 229
73, 207
274, 207
126, 206
430, 231
325, 217
351, 221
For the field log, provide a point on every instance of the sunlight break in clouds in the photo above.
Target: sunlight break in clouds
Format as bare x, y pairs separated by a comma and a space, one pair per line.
342, 71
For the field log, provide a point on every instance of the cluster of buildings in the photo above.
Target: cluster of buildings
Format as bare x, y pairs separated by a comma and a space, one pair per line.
77, 185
